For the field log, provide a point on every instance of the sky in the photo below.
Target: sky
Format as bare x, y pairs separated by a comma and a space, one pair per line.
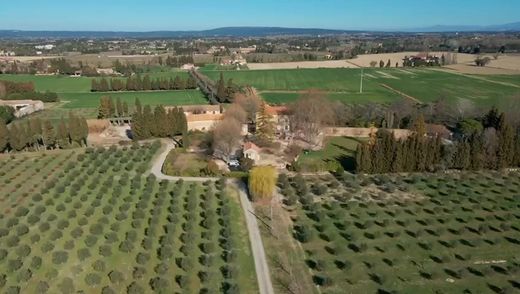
141, 15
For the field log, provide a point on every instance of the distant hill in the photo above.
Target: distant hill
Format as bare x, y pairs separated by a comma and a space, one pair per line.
512, 27
244, 32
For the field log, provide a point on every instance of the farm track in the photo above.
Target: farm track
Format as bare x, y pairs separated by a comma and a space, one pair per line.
401, 93
262, 270
479, 78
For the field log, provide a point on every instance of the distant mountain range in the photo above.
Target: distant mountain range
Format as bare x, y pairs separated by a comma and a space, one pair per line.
247, 32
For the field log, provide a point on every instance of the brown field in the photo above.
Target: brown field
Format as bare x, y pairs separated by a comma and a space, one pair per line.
302, 64
364, 60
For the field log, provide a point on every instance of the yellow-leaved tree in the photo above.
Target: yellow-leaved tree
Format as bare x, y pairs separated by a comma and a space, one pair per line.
262, 182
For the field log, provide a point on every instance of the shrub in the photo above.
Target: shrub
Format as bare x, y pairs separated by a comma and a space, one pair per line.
142, 258
24, 275
107, 290
36, 262
13, 265
12, 241
12, 290
83, 254
138, 272
159, 284
90, 240
3, 254
161, 268
59, 257
23, 251
134, 288
42, 287
99, 265
92, 279
47, 246
22, 230
66, 286
116, 277
105, 250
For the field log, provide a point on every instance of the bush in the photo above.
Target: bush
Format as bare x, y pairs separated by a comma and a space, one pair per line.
12, 290
24, 276
13, 265
3, 254
22, 230
138, 272
92, 279
142, 258
159, 284
60, 257
83, 254
105, 250
36, 262
134, 288
116, 277
47, 246
99, 265
66, 286
107, 290
42, 287
23, 251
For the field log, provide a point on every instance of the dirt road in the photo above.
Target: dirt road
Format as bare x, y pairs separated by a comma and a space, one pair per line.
262, 270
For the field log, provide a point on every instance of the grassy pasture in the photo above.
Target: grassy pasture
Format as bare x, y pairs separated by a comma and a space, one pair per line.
91, 100
65, 84
419, 233
426, 85
339, 149
95, 222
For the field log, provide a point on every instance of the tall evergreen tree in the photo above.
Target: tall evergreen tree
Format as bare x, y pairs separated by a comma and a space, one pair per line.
147, 84
506, 146
264, 124
462, 156
16, 140
62, 135
104, 107
148, 121
49, 135
125, 109
119, 107
221, 89
138, 106
37, 131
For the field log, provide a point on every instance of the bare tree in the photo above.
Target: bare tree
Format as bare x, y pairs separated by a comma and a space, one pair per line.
236, 111
309, 114
250, 103
464, 108
490, 147
399, 110
511, 107
226, 138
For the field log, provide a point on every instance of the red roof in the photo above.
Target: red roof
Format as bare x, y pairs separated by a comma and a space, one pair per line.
251, 145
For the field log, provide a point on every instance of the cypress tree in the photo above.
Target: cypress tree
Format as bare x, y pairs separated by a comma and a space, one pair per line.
125, 109
37, 131
83, 129
462, 156
177, 83
160, 128
147, 84
111, 107
476, 151
104, 107
221, 89
62, 135
506, 146
264, 124
15, 138
516, 157
49, 135
75, 131
191, 83
29, 134
119, 107
103, 85
148, 121
399, 156
138, 107
4, 135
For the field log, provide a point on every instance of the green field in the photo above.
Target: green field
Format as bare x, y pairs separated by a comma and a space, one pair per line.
421, 233
91, 222
65, 84
336, 149
425, 85
91, 100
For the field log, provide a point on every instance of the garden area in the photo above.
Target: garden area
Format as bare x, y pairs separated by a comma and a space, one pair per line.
416, 233
95, 224
337, 151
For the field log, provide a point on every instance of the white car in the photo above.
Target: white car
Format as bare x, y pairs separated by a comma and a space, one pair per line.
234, 163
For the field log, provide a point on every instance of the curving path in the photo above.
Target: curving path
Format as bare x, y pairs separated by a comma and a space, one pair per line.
261, 267
157, 164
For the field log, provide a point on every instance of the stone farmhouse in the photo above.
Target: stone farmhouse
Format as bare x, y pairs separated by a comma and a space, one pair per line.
23, 107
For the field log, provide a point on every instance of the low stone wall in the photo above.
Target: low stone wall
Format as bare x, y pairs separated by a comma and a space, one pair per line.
363, 132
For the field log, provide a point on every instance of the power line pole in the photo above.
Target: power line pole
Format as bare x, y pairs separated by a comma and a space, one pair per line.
361, 83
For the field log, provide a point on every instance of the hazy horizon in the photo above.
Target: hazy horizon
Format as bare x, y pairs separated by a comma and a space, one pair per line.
162, 15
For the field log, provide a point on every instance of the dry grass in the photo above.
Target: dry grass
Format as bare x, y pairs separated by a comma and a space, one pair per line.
302, 64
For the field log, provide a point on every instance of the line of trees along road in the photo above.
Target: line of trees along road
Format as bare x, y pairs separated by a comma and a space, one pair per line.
38, 134
145, 83
495, 146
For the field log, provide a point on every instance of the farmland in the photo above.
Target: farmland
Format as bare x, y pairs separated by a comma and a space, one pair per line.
75, 95
420, 233
425, 85
63, 230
